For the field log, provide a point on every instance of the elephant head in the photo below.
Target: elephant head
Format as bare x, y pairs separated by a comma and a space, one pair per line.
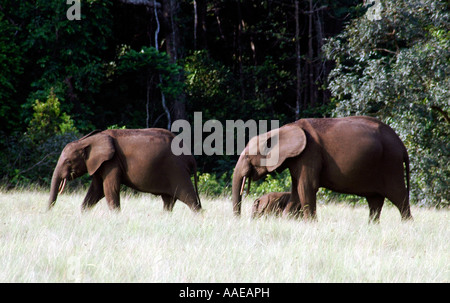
79, 157
258, 159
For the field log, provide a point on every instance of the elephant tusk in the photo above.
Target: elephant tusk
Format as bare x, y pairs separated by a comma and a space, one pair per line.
62, 185
242, 185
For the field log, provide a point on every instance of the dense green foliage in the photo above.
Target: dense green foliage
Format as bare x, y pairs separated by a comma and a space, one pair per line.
397, 69
283, 60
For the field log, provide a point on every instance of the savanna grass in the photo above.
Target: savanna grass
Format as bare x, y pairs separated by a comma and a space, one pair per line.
142, 243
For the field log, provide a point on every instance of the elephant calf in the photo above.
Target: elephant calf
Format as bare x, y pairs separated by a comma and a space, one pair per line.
141, 159
271, 203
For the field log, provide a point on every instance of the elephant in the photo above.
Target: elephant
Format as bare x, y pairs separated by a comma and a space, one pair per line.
271, 203
352, 155
138, 158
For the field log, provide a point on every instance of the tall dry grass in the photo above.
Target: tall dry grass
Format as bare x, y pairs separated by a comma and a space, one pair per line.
144, 244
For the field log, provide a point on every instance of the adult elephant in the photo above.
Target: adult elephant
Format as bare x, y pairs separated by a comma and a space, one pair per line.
352, 155
141, 159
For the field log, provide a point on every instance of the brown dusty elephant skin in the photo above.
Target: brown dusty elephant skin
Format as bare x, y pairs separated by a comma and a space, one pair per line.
353, 155
271, 203
141, 159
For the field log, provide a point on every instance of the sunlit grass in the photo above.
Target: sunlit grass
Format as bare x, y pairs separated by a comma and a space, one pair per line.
142, 243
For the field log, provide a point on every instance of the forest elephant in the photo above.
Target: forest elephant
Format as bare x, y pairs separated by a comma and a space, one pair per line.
352, 155
271, 203
141, 159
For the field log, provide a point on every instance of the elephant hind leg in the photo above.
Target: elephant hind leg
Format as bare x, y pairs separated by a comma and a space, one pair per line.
401, 201
169, 202
186, 193
375, 205
190, 199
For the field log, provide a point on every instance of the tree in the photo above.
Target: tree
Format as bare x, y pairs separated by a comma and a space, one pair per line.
396, 67
145, 66
11, 62
48, 120
31, 157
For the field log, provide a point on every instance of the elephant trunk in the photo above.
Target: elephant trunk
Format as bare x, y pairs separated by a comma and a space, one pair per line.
56, 187
238, 185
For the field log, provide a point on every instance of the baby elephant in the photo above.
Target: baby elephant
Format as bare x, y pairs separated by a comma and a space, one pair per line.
271, 203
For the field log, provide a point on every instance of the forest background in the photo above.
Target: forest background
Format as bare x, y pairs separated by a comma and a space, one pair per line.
146, 63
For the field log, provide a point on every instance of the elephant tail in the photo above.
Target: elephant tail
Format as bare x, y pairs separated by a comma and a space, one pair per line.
406, 161
194, 169
196, 186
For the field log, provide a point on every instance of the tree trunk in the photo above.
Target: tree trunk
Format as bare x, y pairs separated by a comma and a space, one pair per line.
310, 56
172, 38
320, 65
239, 49
147, 3
200, 10
163, 97
297, 54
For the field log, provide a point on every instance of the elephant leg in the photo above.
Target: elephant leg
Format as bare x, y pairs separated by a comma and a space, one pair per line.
401, 201
190, 199
111, 187
94, 194
169, 202
185, 192
293, 206
375, 205
303, 192
307, 195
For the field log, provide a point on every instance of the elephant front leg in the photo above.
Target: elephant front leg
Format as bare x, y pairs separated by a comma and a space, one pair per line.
304, 190
111, 187
94, 194
293, 206
307, 194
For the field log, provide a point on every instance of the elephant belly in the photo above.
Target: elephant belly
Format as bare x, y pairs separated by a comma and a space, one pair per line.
355, 172
147, 176
362, 186
154, 184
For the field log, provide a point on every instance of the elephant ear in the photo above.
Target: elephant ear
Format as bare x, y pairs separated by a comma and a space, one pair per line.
280, 144
99, 148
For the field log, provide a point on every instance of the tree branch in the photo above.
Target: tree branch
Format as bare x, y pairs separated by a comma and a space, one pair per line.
147, 3
385, 50
442, 112
37, 164
312, 11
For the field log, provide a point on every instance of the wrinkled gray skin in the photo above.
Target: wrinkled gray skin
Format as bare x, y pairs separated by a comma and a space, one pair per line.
141, 159
353, 155
271, 203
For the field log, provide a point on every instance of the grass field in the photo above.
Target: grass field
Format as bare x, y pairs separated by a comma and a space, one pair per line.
144, 244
